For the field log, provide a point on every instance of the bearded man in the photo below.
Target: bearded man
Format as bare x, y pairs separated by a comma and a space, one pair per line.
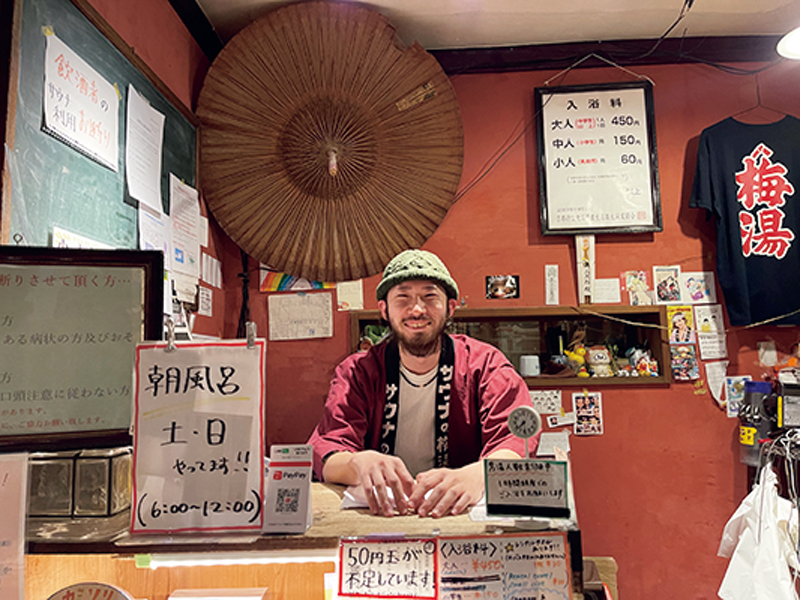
411, 420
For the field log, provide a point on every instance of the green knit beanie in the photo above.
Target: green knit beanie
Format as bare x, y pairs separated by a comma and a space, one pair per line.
416, 264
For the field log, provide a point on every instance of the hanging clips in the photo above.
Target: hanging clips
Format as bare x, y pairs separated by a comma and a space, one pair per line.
250, 327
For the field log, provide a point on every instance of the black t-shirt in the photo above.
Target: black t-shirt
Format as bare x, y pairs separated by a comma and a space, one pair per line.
747, 176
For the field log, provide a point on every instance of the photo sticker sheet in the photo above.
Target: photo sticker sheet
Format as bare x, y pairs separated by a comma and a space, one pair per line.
588, 413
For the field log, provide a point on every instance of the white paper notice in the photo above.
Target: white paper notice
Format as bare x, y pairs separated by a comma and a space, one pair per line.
203, 233
300, 316
143, 145
606, 291
350, 295
551, 284
13, 499
155, 232
205, 302
550, 440
199, 437
546, 402
66, 239
715, 374
80, 107
185, 213
712, 345
185, 287
212, 270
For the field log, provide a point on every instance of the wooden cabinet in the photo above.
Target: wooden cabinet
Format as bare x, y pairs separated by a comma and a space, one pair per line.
536, 330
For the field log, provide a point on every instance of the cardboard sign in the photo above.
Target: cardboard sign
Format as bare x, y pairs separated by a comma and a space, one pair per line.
199, 437
532, 488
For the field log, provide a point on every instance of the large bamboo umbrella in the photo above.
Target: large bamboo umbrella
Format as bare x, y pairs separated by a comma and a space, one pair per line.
326, 146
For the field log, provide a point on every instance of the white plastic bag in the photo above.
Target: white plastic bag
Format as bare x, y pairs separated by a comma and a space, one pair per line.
760, 550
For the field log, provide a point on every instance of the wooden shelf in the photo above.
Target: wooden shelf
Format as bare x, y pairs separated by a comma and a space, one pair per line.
647, 325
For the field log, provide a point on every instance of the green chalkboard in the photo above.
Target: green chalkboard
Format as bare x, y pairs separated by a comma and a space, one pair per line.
54, 185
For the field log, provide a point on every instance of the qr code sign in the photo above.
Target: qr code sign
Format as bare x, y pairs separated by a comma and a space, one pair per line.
287, 500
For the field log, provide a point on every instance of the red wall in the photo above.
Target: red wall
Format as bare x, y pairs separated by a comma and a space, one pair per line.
158, 36
656, 489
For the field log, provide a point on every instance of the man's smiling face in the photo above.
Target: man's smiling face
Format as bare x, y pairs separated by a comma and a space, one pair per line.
417, 311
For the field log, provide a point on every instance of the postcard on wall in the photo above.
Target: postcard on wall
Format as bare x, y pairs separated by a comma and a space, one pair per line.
709, 318
734, 393
681, 326
684, 362
636, 283
588, 409
667, 284
502, 286
631, 281
698, 287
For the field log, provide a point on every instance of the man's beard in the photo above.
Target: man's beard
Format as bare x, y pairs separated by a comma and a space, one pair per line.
420, 345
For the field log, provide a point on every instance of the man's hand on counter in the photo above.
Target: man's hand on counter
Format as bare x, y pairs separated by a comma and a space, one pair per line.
375, 473
434, 493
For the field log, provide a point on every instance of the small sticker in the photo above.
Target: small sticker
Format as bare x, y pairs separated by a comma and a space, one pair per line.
747, 436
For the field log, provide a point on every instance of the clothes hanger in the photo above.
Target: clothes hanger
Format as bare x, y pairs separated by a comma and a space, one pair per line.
759, 114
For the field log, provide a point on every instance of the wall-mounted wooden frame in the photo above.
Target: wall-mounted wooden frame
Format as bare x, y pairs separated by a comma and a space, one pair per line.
598, 167
69, 324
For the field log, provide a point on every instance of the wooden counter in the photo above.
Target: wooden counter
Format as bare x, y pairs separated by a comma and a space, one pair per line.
329, 524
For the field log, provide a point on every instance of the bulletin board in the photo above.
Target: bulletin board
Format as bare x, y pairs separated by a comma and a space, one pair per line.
69, 324
52, 184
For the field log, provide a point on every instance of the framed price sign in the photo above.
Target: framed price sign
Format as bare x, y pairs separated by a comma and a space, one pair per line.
598, 169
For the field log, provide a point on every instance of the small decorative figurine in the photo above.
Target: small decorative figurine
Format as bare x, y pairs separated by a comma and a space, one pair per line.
576, 357
599, 359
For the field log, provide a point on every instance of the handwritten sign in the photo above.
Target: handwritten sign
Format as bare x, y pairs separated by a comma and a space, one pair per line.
80, 107
13, 492
597, 159
526, 487
89, 353
501, 567
403, 568
199, 437
505, 567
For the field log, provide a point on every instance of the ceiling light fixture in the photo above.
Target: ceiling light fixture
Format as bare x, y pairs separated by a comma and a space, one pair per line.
789, 45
